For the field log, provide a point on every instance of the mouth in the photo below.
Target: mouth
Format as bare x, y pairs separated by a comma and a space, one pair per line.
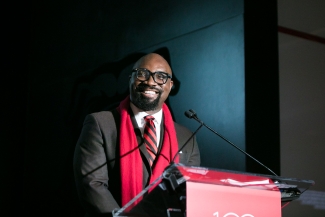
148, 92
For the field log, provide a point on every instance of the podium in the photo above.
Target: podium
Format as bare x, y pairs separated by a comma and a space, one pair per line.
185, 191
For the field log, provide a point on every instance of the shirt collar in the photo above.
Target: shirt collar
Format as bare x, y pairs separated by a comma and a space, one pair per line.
139, 115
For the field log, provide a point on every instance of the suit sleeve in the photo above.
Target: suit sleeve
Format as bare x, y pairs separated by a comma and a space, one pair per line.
194, 159
90, 170
190, 155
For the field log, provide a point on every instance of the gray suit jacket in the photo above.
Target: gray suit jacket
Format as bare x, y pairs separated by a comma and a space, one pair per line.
96, 161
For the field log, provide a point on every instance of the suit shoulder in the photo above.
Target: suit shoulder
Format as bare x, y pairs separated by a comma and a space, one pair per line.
102, 116
180, 128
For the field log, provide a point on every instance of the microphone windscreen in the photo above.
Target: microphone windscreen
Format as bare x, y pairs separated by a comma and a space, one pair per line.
188, 114
194, 113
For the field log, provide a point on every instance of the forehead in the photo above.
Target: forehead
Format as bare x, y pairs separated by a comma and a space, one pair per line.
153, 62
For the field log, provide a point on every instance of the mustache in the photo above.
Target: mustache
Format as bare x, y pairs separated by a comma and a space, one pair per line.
142, 87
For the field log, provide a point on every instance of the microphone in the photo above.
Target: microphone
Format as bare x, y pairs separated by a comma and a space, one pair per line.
192, 114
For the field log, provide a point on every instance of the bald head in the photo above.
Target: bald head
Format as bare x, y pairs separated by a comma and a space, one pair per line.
153, 59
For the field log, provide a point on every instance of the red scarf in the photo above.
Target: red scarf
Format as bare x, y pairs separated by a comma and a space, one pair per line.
131, 162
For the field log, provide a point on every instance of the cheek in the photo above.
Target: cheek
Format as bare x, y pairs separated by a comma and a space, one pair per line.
166, 92
133, 84
168, 87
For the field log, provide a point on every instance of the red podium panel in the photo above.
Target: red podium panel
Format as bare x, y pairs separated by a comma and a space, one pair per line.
229, 201
221, 194
183, 191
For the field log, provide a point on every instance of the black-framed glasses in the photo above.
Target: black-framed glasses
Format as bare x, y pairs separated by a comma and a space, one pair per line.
143, 74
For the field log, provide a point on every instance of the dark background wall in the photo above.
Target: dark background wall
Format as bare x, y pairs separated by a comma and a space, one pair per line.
81, 54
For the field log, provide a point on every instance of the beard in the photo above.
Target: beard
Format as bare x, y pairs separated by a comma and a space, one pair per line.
143, 102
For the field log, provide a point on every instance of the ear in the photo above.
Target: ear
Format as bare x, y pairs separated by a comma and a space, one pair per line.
171, 85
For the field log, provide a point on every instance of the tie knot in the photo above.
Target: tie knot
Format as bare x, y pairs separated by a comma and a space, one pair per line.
149, 118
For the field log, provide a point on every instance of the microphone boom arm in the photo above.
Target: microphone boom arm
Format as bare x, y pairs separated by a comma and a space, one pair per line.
192, 114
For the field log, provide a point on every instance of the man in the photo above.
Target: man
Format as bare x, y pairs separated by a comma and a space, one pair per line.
112, 161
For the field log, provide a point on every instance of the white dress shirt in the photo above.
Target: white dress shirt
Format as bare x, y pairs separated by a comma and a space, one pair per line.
139, 117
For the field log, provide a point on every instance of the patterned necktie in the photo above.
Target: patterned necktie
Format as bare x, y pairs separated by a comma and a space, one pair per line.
150, 138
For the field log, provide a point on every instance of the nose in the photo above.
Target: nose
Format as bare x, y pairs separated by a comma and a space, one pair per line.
151, 80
